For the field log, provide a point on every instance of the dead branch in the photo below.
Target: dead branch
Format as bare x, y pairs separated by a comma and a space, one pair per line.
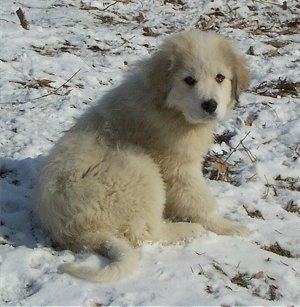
58, 88
107, 7
236, 147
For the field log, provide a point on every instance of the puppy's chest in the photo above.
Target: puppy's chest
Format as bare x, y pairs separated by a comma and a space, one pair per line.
190, 146
177, 152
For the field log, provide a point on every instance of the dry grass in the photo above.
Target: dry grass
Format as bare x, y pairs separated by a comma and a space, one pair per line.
241, 279
289, 183
277, 249
275, 88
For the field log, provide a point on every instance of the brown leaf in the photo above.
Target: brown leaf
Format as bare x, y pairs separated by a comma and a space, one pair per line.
220, 166
292, 207
174, 2
250, 119
140, 18
40, 83
149, 32
285, 85
216, 13
278, 44
96, 48
240, 25
272, 53
224, 137
106, 19
260, 275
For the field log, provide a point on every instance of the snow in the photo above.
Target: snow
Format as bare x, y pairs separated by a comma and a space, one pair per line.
72, 53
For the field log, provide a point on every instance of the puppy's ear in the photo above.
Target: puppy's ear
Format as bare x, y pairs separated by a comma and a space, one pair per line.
158, 72
241, 77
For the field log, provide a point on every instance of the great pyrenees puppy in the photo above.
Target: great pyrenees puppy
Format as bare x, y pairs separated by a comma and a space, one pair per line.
129, 171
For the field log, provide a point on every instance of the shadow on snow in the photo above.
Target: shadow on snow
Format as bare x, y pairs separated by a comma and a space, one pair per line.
18, 224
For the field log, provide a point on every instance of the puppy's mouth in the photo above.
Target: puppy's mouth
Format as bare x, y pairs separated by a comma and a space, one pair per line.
202, 118
210, 117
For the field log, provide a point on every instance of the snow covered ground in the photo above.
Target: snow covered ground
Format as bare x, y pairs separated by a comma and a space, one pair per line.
76, 50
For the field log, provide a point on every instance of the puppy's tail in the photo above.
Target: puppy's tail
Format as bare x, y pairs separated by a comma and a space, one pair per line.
124, 262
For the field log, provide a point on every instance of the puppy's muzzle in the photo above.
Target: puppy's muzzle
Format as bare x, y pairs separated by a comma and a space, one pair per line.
209, 106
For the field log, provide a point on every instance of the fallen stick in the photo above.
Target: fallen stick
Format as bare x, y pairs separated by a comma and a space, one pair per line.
22, 18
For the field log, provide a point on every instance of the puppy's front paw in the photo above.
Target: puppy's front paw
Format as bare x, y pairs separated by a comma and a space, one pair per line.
229, 228
236, 229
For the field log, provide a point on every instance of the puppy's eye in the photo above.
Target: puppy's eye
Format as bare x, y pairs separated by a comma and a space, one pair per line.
219, 78
190, 80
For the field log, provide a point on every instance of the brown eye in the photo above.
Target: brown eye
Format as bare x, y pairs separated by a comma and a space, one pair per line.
190, 81
219, 78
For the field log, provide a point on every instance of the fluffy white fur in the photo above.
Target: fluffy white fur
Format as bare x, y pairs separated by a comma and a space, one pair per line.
131, 166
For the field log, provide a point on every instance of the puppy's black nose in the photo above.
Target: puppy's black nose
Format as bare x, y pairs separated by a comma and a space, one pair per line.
209, 106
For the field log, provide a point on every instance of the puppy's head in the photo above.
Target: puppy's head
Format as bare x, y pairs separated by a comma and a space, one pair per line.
199, 74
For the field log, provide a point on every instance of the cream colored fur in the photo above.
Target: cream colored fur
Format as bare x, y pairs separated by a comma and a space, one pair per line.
131, 165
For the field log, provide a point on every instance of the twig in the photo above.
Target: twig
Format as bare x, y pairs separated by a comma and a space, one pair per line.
201, 270
200, 254
267, 185
109, 5
249, 153
219, 268
6, 20
272, 3
22, 18
57, 89
236, 147
51, 93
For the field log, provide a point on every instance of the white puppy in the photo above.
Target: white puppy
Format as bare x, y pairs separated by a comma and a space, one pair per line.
131, 165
